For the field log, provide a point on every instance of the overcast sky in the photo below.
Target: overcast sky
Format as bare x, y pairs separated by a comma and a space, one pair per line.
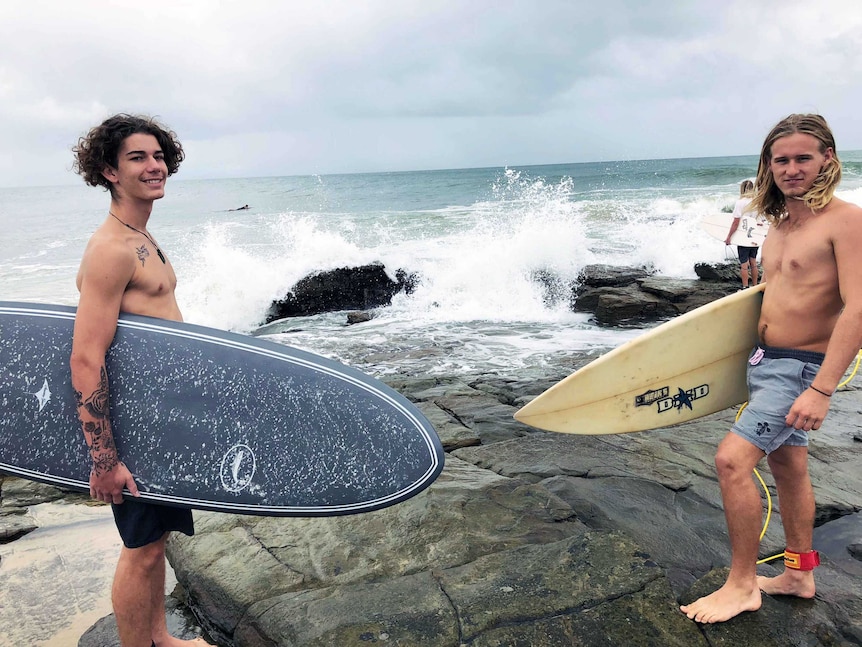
285, 87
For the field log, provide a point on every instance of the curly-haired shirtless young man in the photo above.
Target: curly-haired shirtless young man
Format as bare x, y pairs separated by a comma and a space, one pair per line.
124, 270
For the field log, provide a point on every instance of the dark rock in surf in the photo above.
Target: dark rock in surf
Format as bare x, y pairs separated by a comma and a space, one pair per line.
554, 287
359, 316
625, 296
600, 275
617, 296
718, 272
686, 294
672, 290
613, 306
612, 294
590, 278
345, 288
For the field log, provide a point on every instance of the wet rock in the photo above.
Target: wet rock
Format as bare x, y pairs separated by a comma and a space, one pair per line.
627, 305
237, 562
344, 288
527, 538
16, 495
727, 272
573, 586
601, 276
782, 621
627, 296
15, 524
686, 295
181, 624
358, 317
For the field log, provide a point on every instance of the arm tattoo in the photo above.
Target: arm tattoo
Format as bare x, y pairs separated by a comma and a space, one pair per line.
99, 440
98, 430
104, 464
97, 404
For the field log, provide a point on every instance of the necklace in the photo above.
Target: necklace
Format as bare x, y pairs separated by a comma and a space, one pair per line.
158, 251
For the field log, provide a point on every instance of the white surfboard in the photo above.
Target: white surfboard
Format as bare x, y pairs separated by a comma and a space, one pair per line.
750, 233
686, 368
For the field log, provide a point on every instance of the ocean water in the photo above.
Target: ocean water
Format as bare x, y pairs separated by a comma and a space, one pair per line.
476, 238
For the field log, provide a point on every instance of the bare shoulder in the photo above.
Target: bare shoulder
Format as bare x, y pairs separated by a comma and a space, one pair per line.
842, 208
107, 258
843, 222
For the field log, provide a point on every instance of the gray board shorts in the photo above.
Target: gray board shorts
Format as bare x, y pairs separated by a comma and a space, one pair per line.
776, 377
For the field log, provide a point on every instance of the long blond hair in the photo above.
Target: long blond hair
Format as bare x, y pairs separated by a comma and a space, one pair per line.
768, 198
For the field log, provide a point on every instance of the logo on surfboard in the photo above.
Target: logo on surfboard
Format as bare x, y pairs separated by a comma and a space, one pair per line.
664, 401
43, 395
237, 468
752, 227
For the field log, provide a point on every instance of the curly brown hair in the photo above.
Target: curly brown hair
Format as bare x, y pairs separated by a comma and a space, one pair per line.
768, 198
100, 148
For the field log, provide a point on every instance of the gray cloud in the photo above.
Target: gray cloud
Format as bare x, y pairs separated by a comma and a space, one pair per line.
270, 87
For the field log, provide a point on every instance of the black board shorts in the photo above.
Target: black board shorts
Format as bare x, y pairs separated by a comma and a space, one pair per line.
141, 523
746, 253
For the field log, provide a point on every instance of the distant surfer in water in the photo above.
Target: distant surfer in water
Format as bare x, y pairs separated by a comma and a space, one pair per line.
242, 208
124, 270
747, 255
810, 329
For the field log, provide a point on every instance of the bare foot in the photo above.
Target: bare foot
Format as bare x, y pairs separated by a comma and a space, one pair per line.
726, 603
176, 642
798, 583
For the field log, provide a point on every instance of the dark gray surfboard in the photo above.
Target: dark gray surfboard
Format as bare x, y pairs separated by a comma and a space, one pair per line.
212, 420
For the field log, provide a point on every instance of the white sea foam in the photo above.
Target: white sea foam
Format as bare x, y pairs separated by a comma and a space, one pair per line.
851, 195
479, 263
231, 279
482, 267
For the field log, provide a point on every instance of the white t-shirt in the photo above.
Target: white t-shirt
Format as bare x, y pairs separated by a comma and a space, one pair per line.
739, 207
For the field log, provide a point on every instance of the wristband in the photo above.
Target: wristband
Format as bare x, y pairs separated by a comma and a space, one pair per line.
828, 395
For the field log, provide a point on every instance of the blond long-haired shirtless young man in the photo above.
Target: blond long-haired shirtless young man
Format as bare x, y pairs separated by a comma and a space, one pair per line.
810, 330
